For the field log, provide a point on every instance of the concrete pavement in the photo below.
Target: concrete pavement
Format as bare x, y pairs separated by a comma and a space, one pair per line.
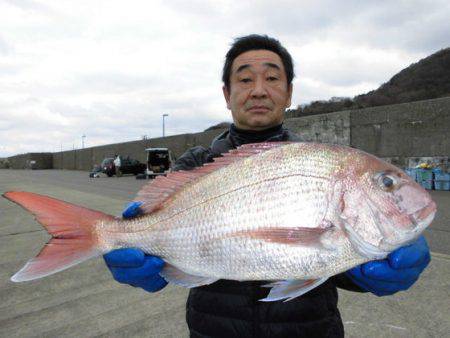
84, 301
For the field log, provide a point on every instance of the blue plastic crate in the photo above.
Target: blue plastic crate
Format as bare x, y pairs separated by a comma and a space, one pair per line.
411, 172
427, 184
424, 175
441, 177
442, 185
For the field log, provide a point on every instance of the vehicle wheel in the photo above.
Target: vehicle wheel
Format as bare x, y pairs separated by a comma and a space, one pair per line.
141, 177
109, 174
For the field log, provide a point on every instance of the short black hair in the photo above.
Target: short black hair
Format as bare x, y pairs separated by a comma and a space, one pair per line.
257, 42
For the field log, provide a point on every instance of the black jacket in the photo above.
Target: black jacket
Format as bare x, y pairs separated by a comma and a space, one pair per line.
232, 309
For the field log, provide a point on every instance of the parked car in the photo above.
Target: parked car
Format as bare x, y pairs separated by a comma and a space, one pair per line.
128, 166
159, 162
132, 166
108, 166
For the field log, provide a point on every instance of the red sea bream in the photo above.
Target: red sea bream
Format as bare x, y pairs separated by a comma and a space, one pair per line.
291, 213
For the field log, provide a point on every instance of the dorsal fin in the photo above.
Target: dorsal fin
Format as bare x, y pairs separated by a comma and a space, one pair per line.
154, 194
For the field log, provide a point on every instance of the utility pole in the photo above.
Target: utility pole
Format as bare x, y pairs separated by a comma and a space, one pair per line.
164, 125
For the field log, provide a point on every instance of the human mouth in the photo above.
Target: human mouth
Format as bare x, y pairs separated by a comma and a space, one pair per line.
258, 109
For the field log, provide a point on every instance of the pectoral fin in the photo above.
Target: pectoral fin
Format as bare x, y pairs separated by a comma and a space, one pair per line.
291, 235
290, 289
178, 277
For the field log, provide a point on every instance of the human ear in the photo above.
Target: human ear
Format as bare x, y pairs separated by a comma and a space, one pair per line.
226, 95
290, 89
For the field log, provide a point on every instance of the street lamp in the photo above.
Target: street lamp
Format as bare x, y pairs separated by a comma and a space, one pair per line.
82, 141
164, 125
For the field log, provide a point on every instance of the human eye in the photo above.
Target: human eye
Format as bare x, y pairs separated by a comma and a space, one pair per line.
245, 80
272, 78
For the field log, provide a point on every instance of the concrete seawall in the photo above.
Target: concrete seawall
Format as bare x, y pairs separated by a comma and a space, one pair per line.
31, 161
405, 130
397, 132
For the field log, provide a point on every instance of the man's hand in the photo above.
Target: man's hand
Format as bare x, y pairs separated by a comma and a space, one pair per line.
132, 266
132, 210
397, 272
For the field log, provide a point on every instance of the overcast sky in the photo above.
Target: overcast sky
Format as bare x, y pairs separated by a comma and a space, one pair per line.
110, 69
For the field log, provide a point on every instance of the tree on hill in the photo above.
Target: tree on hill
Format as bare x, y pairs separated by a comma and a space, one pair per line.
221, 125
427, 79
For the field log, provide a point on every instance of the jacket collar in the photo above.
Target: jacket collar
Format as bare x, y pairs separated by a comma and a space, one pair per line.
234, 137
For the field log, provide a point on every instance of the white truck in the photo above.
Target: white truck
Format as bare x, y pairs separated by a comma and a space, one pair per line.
159, 162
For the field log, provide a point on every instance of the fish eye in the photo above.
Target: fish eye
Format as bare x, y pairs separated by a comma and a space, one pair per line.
386, 182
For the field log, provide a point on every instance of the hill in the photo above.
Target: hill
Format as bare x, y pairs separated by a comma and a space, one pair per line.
221, 125
427, 79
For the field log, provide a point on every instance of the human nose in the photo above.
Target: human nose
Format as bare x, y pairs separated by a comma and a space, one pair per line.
259, 89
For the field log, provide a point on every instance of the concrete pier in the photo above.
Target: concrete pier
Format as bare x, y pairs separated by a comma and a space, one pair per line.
85, 301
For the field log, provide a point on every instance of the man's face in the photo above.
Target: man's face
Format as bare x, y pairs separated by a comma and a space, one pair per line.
259, 92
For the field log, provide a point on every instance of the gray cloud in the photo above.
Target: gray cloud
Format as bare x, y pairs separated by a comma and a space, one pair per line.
5, 48
8, 69
30, 6
68, 71
417, 26
114, 82
414, 26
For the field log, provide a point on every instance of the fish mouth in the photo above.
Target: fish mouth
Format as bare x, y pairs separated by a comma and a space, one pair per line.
394, 232
423, 217
419, 221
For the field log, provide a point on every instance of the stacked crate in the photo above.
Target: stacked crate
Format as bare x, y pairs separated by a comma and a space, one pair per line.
412, 172
441, 181
430, 179
425, 178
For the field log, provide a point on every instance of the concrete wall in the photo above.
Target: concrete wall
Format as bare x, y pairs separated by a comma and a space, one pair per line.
327, 128
31, 161
4, 163
403, 134
397, 133
402, 131
85, 159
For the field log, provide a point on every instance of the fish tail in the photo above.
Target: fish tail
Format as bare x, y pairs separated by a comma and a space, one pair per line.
74, 238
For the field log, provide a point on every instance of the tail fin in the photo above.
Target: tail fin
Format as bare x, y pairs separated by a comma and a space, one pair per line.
71, 226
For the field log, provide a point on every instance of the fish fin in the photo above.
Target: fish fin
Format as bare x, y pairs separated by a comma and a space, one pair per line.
290, 289
290, 235
71, 226
178, 277
161, 189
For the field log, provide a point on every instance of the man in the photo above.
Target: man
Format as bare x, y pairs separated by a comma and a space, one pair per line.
257, 78
117, 164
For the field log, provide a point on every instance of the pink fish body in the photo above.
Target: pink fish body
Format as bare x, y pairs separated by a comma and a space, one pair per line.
296, 213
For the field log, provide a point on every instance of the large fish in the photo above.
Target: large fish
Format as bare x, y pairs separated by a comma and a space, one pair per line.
292, 213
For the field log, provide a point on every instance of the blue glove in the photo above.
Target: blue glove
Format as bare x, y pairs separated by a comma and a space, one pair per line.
132, 210
132, 266
398, 272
